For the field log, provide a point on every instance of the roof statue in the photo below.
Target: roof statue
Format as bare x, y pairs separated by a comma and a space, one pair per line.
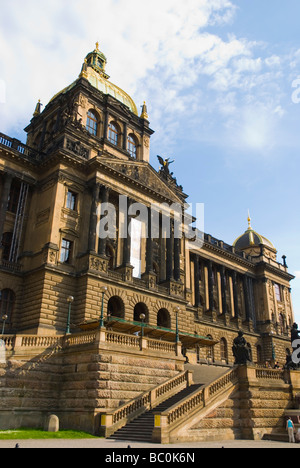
165, 163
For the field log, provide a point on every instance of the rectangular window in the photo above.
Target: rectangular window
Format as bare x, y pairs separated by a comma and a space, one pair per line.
66, 251
278, 292
14, 197
71, 200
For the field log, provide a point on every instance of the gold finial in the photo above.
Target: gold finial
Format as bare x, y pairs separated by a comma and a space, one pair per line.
38, 109
144, 114
249, 220
97, 45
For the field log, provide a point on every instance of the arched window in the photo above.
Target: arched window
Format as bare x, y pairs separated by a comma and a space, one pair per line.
113, 134
115, 307
92, 123
163, 319
139, 309
132, 145
7, 304
210, 351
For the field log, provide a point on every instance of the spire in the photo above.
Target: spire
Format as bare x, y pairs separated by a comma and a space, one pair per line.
38, 109
144, 114
249, 220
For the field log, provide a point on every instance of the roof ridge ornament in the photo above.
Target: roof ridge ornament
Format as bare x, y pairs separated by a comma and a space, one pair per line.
249, 221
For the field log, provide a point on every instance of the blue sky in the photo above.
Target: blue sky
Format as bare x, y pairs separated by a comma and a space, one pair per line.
217, 76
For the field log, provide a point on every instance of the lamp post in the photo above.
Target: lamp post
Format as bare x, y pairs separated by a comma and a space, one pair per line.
70, 301
177, 310
142, 318
103, 290
4, 318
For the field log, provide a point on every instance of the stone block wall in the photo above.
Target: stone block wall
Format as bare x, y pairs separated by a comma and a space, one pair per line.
77, 382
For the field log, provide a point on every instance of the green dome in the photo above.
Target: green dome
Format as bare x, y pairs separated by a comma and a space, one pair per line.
93, 70
251, 239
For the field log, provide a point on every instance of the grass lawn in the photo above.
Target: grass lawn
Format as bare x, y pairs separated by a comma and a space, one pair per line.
40, 434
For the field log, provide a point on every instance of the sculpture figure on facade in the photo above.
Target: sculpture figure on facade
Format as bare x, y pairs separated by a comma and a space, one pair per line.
165, 163
295, 333
240, 350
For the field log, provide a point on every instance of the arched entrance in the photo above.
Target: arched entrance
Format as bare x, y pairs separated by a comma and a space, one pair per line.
163, 319
115, 307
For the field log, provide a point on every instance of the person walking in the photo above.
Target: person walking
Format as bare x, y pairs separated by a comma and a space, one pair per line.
290, 427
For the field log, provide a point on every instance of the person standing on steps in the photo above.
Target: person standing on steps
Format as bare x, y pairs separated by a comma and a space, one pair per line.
291, 428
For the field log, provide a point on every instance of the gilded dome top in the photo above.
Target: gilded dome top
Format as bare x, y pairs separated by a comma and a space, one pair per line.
251, 239
93, 70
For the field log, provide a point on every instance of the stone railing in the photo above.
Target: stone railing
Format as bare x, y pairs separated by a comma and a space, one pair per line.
168, 420
16, 145
270, 374
96, 337
114, 420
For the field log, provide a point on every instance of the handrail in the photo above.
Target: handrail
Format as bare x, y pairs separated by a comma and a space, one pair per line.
115, 419
199, 399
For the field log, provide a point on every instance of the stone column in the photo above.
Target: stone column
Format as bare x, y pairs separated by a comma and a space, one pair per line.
197, 279
223, 290
127, 239
102, 242
235, 295
93, 218
247, 297
177, 259
149, 245
125, 137
105, 130
170, 245
211, 285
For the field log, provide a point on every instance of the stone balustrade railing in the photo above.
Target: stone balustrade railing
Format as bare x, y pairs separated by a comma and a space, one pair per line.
103, 336
114, 420
201, 398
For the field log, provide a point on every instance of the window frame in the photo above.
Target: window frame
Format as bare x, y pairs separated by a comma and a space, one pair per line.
132, 142
71, 200
92, 117
66, 251
278, 294
113, 134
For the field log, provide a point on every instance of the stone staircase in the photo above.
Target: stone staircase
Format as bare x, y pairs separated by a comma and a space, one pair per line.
141, 428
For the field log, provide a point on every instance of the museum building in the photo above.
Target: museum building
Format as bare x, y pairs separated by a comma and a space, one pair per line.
60, 280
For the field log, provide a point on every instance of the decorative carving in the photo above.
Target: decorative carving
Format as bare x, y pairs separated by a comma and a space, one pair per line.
77, 148
98, 264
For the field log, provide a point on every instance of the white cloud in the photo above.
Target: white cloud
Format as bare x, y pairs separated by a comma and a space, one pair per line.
297, 274
158, 51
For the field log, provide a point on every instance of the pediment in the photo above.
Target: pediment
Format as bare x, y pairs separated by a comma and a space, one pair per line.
143, 174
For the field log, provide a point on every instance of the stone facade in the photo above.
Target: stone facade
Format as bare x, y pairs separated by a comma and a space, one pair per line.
87, 149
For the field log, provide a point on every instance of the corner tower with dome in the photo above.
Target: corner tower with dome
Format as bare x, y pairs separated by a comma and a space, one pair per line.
97, 319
